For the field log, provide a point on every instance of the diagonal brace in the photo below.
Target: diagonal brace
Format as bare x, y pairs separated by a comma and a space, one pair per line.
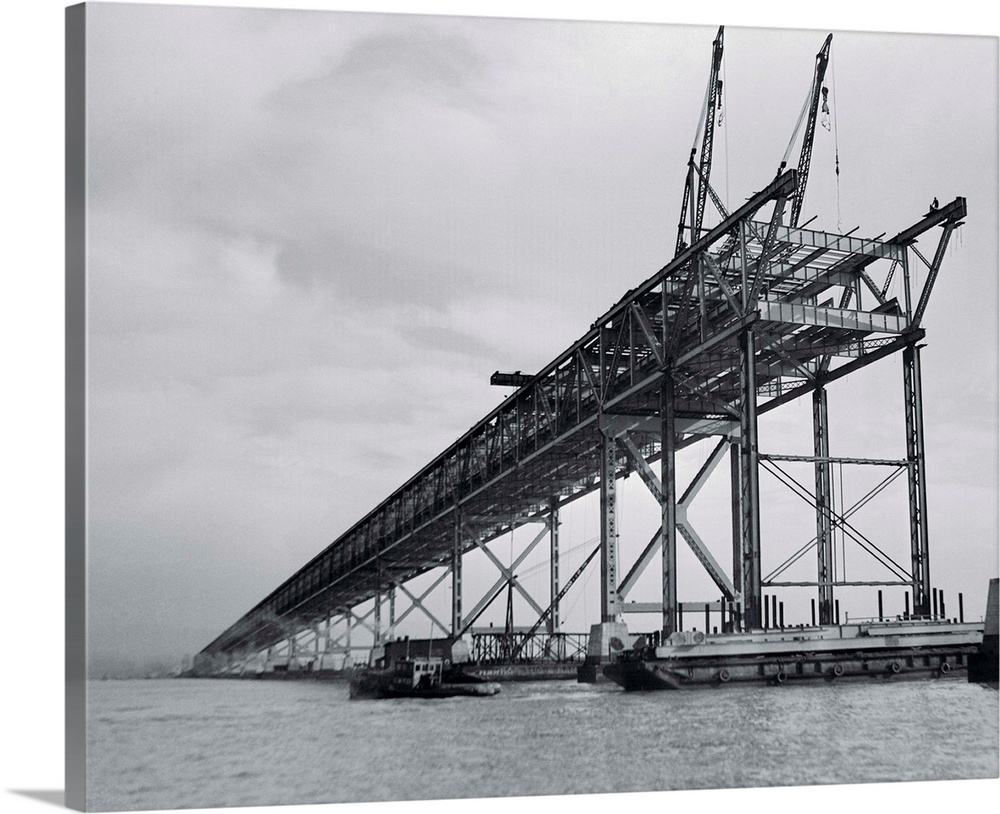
418, 603
508, 573
683, 526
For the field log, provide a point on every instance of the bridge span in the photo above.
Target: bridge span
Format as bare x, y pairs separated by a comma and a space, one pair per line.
749, 315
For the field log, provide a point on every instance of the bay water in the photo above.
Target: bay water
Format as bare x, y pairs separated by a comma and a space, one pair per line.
197, 743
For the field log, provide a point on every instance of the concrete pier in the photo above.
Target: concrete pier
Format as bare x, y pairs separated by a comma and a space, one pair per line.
607, 639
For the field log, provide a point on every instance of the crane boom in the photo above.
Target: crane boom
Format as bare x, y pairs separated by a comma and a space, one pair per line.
712, 97
805, 156
548, 611
714, 94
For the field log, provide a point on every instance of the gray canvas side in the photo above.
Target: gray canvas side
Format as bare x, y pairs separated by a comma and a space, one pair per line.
76, 380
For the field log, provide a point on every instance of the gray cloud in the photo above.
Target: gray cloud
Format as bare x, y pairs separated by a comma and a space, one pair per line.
371, 274
405, 61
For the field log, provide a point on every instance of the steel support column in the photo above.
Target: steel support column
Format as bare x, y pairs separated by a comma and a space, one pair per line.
668, 505
824, 506
736, 494
392, 612
750, 489
609, 532
907, 296
553, 622
456, 576
919, 548
377, 609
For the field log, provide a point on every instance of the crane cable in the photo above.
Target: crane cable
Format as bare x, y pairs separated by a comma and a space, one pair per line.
836, 139
798, 125
725, 132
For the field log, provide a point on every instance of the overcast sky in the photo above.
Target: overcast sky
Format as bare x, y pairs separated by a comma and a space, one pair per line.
314, 235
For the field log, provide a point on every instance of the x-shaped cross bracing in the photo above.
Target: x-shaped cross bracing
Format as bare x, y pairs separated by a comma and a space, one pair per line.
683, 524
418, 602
507, 576
840, 520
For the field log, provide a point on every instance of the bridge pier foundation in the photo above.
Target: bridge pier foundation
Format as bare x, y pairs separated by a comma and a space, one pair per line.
607, 640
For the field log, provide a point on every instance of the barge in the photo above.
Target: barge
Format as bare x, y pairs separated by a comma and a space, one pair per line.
872, 651
524, 671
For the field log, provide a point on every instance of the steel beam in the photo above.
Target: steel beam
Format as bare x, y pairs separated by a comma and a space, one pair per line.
933, 268
846, 319
831, 459
644, 559
704, 555
642, 468
835, 242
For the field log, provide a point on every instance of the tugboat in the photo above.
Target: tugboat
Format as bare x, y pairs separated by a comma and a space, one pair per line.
418, 678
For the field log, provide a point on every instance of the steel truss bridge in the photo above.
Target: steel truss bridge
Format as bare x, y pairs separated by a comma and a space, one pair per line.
749, 315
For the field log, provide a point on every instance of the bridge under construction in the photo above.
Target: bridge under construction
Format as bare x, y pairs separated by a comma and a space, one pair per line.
751, 314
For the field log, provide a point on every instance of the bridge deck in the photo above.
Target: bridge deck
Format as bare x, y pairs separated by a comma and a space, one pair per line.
543, 442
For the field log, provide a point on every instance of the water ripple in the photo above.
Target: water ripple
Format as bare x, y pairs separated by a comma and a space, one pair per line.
183, 744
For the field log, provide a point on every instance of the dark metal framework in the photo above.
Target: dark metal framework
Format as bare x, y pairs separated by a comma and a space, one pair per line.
752, 315
521, 646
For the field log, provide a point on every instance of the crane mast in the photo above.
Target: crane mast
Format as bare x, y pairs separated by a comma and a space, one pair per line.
712, 98
805, 156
